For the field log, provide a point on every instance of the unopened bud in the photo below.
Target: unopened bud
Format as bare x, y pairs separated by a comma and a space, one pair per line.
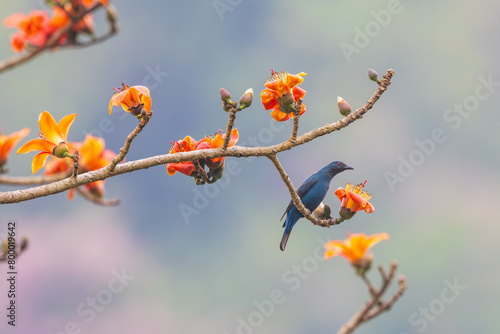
246, 98
373, 75
344, 107
323, 211
112, 16
224, 95
24, 244
402, 280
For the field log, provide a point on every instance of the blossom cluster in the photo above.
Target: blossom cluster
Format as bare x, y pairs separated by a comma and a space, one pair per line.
36, 27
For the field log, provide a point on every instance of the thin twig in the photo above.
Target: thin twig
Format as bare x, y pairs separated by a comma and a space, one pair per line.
234, 151
202, 173
126, 147
76, 156
97, 200
369, 311
31, 180
52, 41
371, 287
229, 127
296, 116
296, 199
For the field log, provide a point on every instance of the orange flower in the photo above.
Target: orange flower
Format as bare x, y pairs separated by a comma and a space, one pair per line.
32, 27
354, 248
132, 99
8, 142
90, 3
352, 199
283, 91
189, 144
18, 41
52, 142
93, 156
60, 18
185, 167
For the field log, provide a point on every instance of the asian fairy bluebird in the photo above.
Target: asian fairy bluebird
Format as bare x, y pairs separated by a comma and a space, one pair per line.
311, 192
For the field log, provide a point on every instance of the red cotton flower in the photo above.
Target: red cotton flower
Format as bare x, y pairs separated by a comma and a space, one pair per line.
92, 155
355, 249
282, 93
52, 142
33, 29
352, 199
189, 144
132, 99
8, 142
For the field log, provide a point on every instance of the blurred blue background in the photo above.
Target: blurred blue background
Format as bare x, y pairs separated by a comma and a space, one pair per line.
219, 269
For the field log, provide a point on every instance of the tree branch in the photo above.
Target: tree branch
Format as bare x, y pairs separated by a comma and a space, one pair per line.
126, 147
235, 151
375, 306
97, 200
53, 40
229, 127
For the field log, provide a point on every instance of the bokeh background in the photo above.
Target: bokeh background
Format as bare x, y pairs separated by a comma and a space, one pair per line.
213, 270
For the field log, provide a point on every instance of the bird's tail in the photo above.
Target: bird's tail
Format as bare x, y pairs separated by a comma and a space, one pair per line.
284, 239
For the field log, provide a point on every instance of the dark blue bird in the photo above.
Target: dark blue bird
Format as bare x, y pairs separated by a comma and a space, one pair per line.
312, 192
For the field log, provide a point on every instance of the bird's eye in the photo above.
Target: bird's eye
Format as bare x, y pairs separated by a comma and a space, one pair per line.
339, 164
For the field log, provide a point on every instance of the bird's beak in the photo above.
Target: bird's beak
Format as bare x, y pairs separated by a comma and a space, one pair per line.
348, 167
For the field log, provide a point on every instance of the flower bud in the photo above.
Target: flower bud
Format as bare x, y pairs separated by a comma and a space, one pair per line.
24, 244
373, 75
224, 95
61, 150
323, 211
344, 107
246, 98
402, 280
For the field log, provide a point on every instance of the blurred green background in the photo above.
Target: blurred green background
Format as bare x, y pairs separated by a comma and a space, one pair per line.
216, 270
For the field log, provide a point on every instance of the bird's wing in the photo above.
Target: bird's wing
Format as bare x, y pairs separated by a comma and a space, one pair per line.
303, 190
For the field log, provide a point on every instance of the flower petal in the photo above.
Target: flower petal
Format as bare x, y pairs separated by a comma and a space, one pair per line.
64, 125
49, 128
39, 161
14, 20
279, 116
234, 137
37, 144
298, 93
10, 141
340, 193
116, 99
269, 99
185, 167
